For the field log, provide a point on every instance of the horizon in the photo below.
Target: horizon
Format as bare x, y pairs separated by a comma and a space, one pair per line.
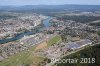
47, 2
52, 5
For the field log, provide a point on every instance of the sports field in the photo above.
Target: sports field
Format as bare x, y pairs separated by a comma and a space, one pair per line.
54, 40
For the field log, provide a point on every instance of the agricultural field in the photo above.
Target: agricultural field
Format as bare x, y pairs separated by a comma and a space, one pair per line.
25, 58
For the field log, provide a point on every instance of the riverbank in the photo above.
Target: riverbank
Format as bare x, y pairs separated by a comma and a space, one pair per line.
26, 33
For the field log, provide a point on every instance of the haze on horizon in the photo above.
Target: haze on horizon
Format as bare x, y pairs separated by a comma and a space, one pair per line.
49, 2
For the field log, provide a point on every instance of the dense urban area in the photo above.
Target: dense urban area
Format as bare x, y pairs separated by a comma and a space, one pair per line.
34, 37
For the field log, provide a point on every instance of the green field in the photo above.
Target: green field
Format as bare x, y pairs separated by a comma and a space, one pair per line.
25, 58
54, 40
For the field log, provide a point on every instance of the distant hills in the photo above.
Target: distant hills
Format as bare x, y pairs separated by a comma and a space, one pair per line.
52, 7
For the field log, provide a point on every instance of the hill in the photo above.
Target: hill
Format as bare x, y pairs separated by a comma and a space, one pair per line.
90, 52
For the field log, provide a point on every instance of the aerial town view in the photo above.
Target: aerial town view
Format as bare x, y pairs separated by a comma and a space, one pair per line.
49, 33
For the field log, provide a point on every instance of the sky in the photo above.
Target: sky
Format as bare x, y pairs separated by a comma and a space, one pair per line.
49, 2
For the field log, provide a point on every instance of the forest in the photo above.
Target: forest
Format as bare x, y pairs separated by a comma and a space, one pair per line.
82, 18
89, 52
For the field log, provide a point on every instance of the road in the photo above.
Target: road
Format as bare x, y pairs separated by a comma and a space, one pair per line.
69, 53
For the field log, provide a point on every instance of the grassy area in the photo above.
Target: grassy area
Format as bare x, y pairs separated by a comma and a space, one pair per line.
23, 58
54, 40
27, 57
98, 32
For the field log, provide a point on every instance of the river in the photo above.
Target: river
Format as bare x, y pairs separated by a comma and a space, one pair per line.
21, 35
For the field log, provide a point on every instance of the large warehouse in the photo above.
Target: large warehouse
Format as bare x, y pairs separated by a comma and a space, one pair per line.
78, 44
